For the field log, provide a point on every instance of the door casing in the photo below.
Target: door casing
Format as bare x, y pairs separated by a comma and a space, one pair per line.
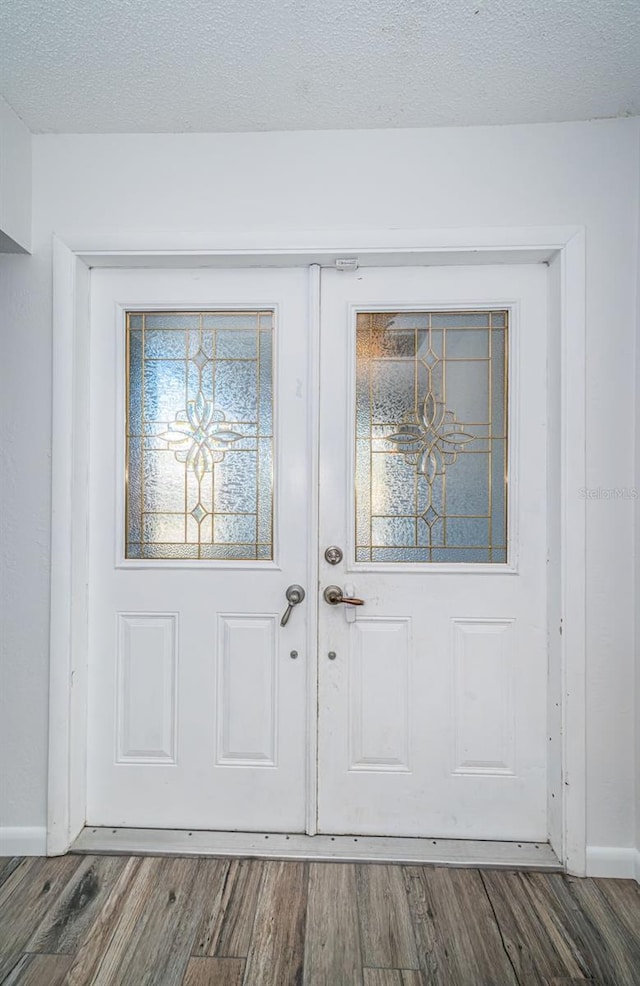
562, 248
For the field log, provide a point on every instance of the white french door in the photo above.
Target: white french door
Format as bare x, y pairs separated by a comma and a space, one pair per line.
431, 707
432, 695
197, 711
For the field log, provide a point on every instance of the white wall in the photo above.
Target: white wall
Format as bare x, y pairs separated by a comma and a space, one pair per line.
85, 186
15, 182
637, 553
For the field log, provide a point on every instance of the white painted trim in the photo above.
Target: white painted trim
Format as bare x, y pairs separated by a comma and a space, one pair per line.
67, 780
613, 861
573, 537
129, 248
69, 551
23, 840
280, 845
555, 708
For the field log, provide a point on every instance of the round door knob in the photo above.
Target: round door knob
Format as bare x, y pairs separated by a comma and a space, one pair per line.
333, 555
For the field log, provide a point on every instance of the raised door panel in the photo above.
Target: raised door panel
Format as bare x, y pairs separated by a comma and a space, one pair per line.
379, 695
146, 687
483, 696
247, 689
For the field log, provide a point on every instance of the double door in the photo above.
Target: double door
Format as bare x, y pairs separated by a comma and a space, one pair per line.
383, 487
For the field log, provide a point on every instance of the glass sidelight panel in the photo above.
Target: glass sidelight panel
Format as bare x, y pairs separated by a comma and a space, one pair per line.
431, 437
199, 467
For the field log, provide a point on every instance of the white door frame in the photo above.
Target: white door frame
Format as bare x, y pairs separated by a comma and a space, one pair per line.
562, 248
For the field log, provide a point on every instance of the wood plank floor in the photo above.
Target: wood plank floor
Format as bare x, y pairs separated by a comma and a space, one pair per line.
174, 921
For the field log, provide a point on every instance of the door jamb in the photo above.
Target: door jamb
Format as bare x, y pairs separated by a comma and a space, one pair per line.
561, 247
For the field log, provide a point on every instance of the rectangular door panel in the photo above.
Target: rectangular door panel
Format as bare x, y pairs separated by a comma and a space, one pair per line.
379, 691
146, 689
247, 689
484, 669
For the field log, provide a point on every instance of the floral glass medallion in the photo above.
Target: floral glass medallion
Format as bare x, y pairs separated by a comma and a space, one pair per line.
431, 441
199, 435
431, 437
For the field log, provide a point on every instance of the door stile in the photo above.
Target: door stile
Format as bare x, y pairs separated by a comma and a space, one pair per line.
313, 446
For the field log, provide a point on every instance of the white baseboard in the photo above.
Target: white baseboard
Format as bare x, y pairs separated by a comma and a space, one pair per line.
23, 840
613, 861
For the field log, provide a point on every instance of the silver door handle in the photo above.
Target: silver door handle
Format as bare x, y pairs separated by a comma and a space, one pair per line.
333, 595
295, 595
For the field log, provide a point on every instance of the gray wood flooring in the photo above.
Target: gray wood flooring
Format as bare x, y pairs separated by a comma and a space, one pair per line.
172, 921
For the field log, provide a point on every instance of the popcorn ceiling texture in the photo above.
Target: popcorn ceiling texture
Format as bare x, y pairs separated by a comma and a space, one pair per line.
91, 66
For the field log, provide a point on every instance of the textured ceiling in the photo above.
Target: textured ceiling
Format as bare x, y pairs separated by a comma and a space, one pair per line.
234, 65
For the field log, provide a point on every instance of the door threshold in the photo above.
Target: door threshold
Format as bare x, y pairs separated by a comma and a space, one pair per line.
319, 848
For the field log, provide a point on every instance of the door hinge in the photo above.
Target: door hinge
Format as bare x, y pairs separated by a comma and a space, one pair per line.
347, 263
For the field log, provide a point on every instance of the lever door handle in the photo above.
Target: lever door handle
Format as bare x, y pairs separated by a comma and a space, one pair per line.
295, 595
334, 595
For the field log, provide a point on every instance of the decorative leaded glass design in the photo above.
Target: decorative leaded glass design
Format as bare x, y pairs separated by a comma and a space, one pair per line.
431, 437
199, 435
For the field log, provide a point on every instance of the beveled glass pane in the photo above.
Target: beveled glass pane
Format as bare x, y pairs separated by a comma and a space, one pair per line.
199, 477
431, 442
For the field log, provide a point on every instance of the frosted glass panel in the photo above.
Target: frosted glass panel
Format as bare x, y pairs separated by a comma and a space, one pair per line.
199, 435
431, 437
